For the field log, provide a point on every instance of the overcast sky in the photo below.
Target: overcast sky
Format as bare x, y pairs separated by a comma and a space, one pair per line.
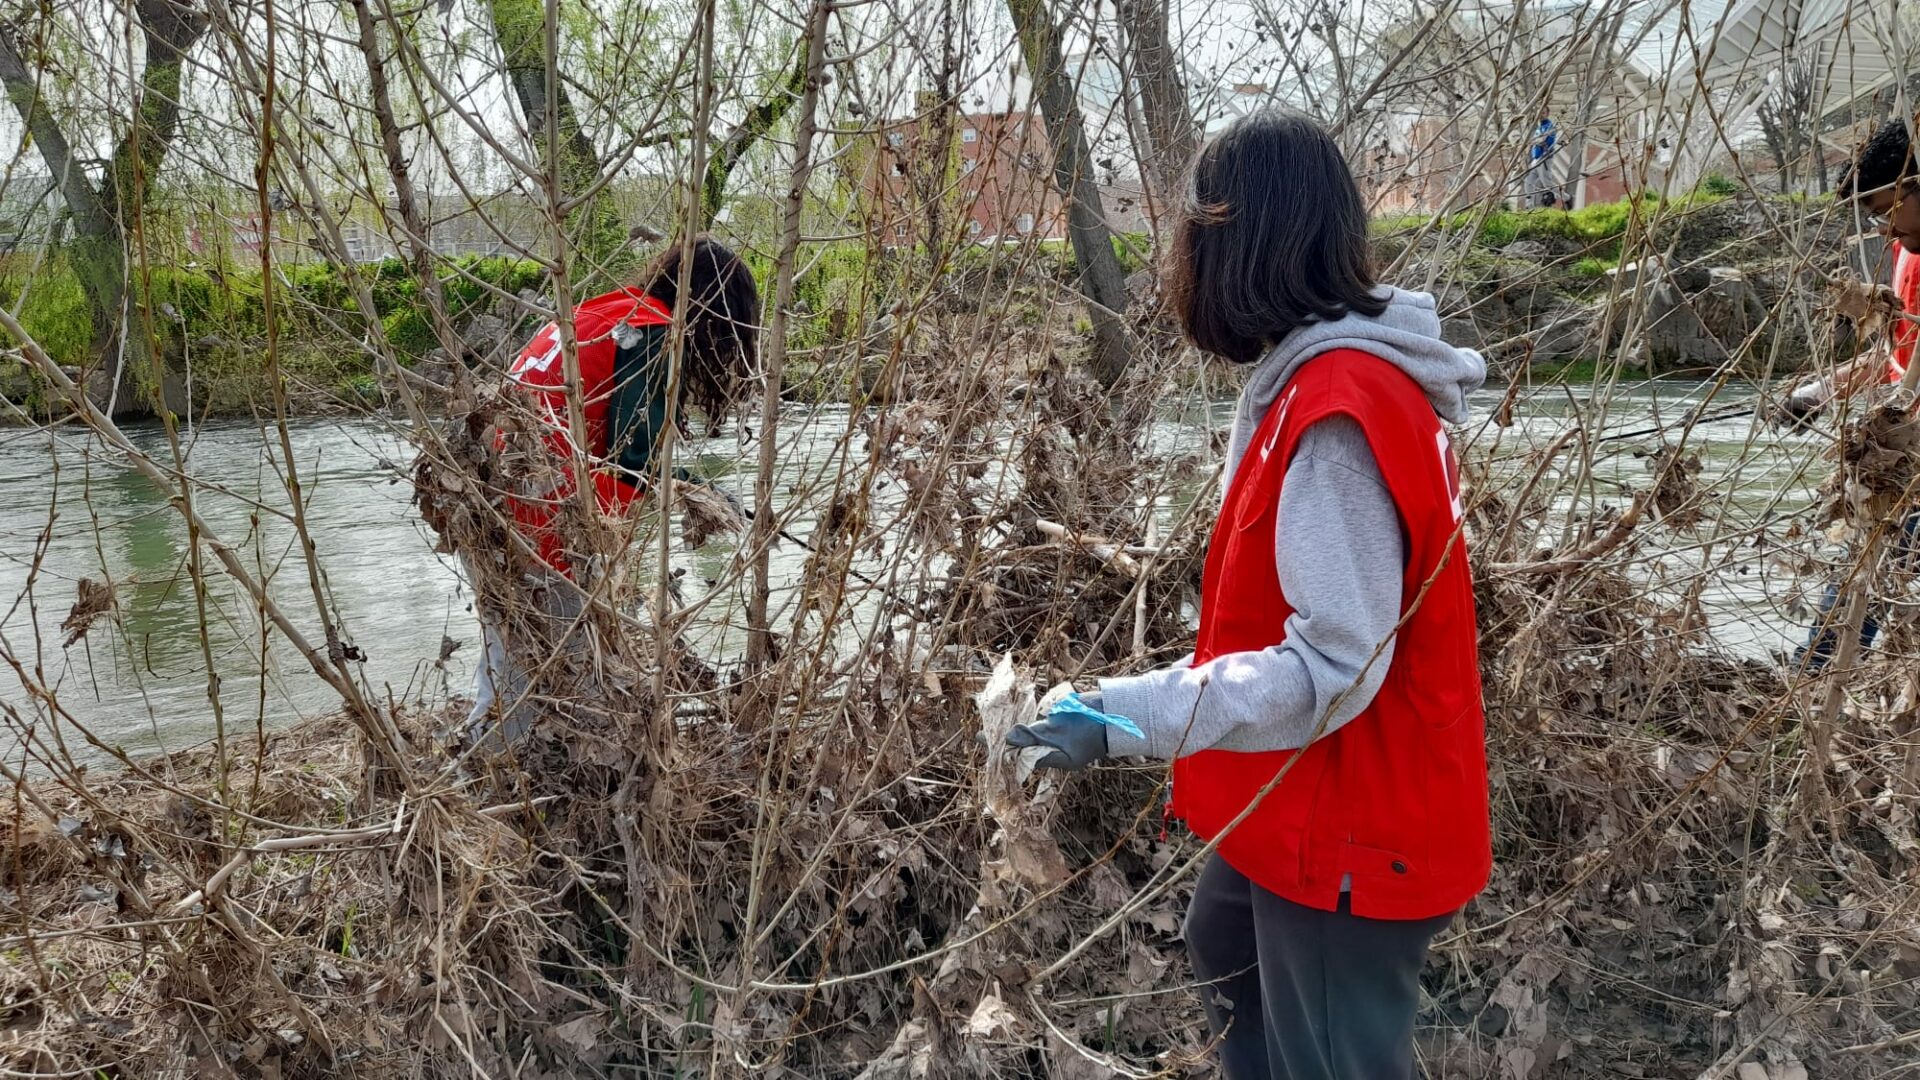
1224, 44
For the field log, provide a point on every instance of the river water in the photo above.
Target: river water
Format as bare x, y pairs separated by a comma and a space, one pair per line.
66, 513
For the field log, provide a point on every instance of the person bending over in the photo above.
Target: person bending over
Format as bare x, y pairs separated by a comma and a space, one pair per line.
1883, 183
622, 344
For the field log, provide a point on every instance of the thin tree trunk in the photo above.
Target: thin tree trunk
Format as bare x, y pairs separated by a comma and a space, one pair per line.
167, 30
406, 201
932, 178
520, 29
1101, 282
665, 636
1163, 99
1816, 798
813, 65
561, 149
85, 207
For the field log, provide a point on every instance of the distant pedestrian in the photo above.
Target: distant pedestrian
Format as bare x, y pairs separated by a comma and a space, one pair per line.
1539, 178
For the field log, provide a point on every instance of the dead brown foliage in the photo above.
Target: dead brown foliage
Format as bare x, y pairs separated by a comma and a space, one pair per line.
810, 868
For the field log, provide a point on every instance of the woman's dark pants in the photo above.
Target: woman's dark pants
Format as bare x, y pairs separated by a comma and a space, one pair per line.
1297, 993
1823, 641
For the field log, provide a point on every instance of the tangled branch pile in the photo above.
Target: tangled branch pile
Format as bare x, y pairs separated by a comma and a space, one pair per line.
809, 867
798, 856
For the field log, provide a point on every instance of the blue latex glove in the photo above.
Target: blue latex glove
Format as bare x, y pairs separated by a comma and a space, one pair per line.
1075, 728
1089, 705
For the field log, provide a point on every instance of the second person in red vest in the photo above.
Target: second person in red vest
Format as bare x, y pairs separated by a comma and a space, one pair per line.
621, 340
625, 376
1883, 184
1327, 733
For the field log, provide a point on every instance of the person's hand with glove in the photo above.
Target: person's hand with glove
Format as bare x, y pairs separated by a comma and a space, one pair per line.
1074, 726
1803, 404
1812, 397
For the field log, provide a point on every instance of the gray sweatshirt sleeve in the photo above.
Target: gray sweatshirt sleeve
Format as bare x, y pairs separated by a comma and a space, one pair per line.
1339, 552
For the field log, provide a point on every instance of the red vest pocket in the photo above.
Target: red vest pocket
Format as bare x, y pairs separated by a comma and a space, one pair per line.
1366, 862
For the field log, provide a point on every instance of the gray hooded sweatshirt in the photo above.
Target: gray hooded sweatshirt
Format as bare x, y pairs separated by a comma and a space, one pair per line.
1339, 551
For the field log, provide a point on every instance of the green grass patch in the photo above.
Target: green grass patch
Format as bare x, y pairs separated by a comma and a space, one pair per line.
1601, 223
315, 299
1397, 224
46, 296
1593, 268
217, 319
1585, 372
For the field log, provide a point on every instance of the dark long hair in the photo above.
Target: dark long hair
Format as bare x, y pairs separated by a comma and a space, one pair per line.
1272, 236
723, 320
1885, 159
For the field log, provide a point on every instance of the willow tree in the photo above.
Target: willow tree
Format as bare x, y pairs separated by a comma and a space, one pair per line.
530, 51
529, 55
1171, 133
102, 210
756, 125
1101, 281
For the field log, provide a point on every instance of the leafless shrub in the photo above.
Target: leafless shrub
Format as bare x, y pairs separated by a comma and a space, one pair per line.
750, 829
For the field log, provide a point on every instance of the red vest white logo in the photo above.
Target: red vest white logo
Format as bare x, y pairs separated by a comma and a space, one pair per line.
1394, 803
599, 323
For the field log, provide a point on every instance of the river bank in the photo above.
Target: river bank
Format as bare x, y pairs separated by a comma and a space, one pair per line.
279, 909
1680, 289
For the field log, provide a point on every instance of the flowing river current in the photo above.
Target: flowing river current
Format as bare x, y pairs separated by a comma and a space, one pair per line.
67, 512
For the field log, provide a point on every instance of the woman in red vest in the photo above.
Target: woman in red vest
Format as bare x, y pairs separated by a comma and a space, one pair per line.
1327, 734
622, 339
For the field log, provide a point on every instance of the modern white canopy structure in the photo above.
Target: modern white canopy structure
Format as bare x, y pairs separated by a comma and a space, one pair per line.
1852, 48
1738, 54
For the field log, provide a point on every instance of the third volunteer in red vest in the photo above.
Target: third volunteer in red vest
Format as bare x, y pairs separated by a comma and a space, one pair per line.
1883, 184
1336, 636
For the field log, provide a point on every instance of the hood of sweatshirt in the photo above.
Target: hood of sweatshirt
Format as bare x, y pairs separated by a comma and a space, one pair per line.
1406, 335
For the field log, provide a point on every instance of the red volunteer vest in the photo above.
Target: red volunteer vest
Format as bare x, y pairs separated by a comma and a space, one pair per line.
1396, 799
1906, 284
540, 369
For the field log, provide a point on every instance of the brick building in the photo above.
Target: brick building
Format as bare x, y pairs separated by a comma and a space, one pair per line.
995, 173
1428, 169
